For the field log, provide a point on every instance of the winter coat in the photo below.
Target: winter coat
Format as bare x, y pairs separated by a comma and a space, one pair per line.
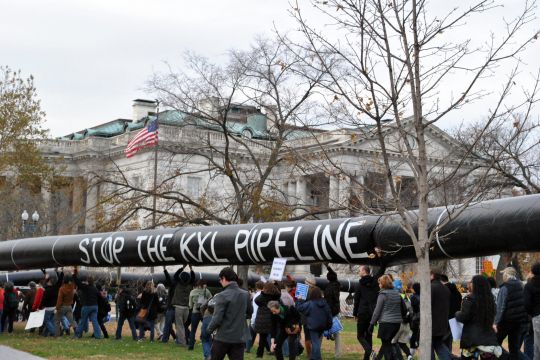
50, 296
88, 293
286, 319
531, 294
331, 295
440, 307
455, 300
318, 315
122, 300
415, 305
150, 301
232, 307
474, 333
179, 291
365, 297
65, 295
511, 303
389, 308
103, 306
263, 320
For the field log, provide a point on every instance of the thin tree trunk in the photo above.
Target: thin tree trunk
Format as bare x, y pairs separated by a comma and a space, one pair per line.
424, 277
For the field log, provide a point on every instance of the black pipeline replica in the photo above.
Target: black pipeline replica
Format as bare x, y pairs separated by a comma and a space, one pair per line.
484, 228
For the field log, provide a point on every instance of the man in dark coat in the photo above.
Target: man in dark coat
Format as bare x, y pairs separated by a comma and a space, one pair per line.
331, 295
455, 306
440, 307
365, 299
511, 315
232, 306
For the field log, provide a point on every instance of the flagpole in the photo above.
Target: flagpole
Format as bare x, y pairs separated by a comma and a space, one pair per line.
154, 200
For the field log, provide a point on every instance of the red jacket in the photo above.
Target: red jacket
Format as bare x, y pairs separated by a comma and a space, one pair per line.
37, 299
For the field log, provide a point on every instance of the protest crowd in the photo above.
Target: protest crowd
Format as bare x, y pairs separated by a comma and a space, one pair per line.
286, 319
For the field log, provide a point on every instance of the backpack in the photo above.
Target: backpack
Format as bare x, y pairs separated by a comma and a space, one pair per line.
201, 300
11, 300
131, 305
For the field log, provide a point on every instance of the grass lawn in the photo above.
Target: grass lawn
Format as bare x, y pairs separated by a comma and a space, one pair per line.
88, 348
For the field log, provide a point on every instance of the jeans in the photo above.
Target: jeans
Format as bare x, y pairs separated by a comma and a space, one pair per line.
513, 331
48, 324
280, 341
148, 323
438, 346
206, 338
315, 344
120, 325
88, 313
8, 315
196, 317
234, 351
365, 338
527, 339
169, 318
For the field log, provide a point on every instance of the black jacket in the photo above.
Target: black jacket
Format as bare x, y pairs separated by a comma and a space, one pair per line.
531, 295
288, 318
232, 306
263, 319
365, 297
178, 291
50, 293
331, 295
455, 300
122, 303
474, 333
88, 294
440, 307
511, 303
150, 301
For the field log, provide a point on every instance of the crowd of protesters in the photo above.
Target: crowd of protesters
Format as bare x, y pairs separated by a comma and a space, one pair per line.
271, 319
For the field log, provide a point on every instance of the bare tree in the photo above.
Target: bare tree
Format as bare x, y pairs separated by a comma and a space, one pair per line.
385, 59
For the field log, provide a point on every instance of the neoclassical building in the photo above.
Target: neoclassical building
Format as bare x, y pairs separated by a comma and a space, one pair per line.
322, 173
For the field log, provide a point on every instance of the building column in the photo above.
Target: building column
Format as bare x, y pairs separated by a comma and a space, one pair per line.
301, 194
291, 192
344, 195
333, 192
92, 198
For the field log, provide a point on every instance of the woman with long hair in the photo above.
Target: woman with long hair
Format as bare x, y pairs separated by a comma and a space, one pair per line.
263, 319
477, 314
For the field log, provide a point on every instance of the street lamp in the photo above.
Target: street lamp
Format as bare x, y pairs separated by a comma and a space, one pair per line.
29, 227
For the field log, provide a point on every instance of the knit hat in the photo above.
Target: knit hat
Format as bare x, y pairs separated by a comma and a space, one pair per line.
310, 280
32, 285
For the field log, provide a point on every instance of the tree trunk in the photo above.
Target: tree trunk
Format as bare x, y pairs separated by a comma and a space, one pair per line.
424, 277
242, 272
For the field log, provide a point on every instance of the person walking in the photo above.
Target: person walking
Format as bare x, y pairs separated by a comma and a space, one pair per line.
511, 315
331, 295
89, 305
477, 314
263, 320
149, 305
127, 309
207, 311
415, 318
318, 317
285, 326
389, 314
197, 297
440, 307
162, 294
10, 306
365, 299
64, 301
103, 309
232, 306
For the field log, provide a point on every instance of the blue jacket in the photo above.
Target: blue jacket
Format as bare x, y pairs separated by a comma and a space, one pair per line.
317, 313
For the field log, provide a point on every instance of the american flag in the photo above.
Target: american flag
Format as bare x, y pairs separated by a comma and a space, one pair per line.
145, 138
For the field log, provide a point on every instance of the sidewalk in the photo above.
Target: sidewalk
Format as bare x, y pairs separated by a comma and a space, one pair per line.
12, 354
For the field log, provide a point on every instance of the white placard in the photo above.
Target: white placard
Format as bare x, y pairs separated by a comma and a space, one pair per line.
456, 328
278, 268
35, 319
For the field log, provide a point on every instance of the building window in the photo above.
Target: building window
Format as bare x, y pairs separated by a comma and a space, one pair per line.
480, 264
194, 187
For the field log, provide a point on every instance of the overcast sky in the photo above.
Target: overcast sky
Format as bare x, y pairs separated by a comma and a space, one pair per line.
90, 59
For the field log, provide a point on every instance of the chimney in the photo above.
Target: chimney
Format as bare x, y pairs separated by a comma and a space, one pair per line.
142, 108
